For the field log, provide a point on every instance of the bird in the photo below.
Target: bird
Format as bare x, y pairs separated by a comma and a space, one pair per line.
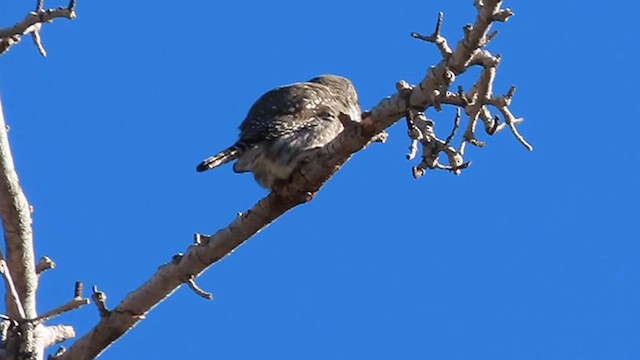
285, 125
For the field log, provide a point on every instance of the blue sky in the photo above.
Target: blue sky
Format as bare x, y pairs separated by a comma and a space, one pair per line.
523, 256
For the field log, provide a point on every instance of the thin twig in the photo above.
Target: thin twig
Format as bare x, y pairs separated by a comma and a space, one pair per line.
193, 286
456, 125
436, 38
71, 305
78, 301
12, 292
37, 39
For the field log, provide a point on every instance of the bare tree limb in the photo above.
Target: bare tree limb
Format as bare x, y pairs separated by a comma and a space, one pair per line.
32, 24
12, 293
41, 337
55, 334
207, 250
78, 301
24, 335
16, 221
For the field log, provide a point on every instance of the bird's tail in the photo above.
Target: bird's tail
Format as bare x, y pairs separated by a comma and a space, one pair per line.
223, 157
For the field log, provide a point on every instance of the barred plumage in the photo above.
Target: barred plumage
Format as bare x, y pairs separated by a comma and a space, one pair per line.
229, 154
285, 123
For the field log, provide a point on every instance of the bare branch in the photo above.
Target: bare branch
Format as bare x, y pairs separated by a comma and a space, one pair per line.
502, 104
73, 304
456, 125
193, 286
512, 121
37, 39
12, 293
16, 221
323, 164
432, 146
78, 301
56, 334
436, 38
32, 24
23, 335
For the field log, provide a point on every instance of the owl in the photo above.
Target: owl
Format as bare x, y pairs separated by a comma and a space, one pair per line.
285, 124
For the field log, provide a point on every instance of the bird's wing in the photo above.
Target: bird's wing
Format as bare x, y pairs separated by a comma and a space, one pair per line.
284, 110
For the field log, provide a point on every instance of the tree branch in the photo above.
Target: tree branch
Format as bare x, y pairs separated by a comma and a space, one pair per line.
78, 301
32, 24
24, 332
13, 299
207, 250
16, 221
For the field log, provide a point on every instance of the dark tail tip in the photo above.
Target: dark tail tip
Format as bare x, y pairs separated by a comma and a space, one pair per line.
202, 167
223, 157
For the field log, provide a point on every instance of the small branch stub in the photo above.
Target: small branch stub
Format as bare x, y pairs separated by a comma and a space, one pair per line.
100, 299
45, 263
196, 289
